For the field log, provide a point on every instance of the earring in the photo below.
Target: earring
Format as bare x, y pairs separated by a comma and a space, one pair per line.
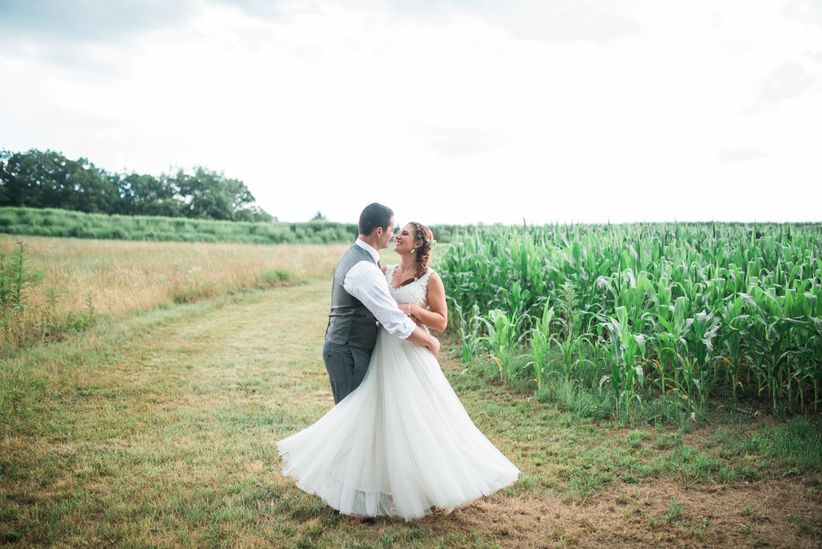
413, 250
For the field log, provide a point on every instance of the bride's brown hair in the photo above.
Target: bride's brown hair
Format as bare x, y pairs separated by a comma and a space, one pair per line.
423, 252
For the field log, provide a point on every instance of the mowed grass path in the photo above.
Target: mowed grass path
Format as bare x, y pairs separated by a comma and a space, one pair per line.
159, 430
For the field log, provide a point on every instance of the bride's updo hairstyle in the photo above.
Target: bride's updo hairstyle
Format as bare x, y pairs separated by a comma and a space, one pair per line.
424, 235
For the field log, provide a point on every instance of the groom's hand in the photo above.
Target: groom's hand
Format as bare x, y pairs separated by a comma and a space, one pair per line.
422, 337
434, 346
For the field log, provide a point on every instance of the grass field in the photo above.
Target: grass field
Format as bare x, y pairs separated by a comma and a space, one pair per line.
157, 428
123, 277
80, 282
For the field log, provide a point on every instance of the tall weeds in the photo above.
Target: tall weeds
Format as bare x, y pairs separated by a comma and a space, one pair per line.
24, 324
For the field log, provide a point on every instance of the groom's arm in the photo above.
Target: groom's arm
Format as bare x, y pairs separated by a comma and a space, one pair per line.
366, 282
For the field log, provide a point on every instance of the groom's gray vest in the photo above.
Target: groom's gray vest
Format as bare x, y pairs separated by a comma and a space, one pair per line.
349, 322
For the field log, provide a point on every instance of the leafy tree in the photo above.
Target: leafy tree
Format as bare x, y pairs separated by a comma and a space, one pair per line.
35, 179
89, 189
205, 194
50, 180
147, 195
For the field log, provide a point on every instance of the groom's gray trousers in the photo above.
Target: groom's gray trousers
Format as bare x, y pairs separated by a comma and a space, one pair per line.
351, 333
346, 366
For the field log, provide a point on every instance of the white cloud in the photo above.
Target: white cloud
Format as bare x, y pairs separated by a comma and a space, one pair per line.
454, 112
789, 80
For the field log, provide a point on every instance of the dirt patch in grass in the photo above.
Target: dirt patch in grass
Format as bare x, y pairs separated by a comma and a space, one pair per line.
786, 513
664, 513
698, 436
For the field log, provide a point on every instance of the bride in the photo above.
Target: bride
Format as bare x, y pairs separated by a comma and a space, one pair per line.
401, 443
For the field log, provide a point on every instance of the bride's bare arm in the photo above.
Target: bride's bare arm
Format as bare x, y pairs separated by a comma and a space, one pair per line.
437, 317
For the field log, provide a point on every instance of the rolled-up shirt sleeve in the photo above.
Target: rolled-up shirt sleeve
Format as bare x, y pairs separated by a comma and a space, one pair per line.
366, 282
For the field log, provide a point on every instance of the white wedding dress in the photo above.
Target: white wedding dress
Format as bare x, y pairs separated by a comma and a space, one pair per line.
399, 444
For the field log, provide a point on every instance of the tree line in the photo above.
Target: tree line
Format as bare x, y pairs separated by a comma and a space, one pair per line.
47, 179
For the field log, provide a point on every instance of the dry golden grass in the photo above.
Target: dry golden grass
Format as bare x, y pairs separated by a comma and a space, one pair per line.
118, 277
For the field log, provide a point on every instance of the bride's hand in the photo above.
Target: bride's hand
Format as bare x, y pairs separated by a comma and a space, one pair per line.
411, 311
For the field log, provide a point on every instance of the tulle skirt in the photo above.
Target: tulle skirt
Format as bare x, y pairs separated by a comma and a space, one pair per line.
400, 444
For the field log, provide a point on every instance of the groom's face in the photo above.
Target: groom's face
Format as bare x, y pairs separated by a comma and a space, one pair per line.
387, 233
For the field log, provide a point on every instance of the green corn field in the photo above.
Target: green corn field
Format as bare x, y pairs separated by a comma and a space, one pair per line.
692, 312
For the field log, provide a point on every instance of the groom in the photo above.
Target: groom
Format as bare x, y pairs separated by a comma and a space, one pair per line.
360, 299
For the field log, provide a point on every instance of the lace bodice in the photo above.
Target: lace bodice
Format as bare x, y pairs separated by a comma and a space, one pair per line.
416, 292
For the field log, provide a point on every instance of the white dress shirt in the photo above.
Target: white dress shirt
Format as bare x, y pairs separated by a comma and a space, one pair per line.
366, 282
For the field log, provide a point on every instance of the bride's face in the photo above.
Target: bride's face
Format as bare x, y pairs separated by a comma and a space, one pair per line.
404, 240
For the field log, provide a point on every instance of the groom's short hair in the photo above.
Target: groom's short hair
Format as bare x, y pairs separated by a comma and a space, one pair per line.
374, 215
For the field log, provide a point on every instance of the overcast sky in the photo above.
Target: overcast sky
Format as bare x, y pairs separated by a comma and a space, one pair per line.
452, 111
